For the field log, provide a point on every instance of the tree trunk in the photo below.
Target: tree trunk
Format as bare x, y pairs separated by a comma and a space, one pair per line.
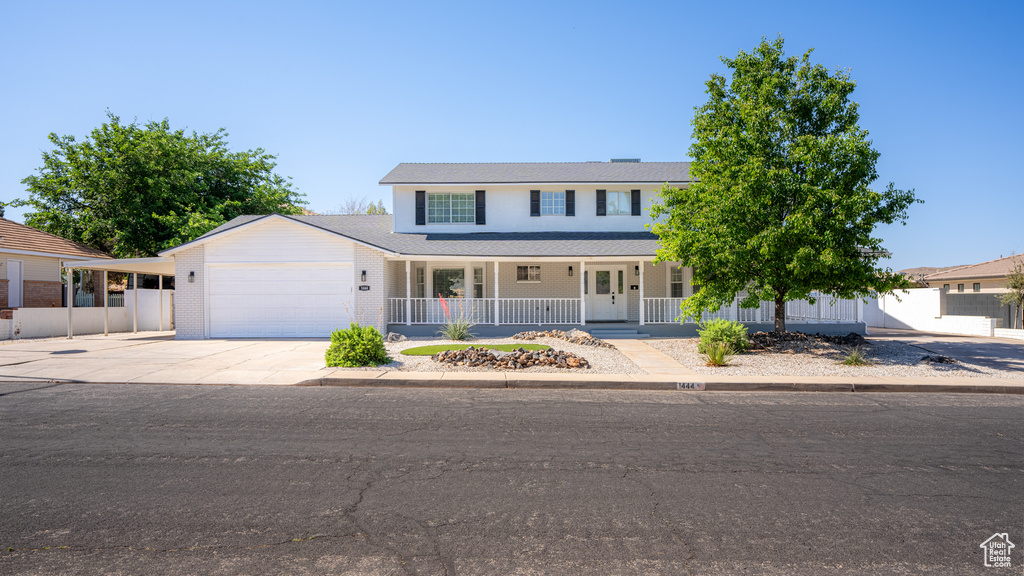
780, 313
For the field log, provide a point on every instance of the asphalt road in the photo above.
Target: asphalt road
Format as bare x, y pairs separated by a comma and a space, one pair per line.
137, 479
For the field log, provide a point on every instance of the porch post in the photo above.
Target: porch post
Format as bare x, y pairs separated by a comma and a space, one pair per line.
583, 296
106, 302
495, 292
641, 292
135, 306
160, 287
71, 300
408, 293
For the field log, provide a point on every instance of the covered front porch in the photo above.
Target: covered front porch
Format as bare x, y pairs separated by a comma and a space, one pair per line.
567, 293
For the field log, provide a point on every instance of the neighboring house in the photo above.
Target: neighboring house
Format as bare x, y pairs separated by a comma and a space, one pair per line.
506, 245
986, 277
30, 265
917, 276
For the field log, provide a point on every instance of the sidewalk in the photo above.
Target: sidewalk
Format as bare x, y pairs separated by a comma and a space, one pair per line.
156, 358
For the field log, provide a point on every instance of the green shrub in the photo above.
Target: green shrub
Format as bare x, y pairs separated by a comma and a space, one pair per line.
718, 354
734, 334
357, 346
856, 357
457, 329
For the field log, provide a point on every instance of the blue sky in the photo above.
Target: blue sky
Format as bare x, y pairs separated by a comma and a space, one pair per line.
342, 92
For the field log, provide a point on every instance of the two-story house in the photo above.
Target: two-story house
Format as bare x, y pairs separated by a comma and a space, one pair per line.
506, 245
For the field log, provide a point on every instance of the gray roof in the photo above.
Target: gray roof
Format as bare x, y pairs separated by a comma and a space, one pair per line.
539, 172
376, 231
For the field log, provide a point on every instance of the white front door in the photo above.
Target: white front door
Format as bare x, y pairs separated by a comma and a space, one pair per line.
606, 294
14, 284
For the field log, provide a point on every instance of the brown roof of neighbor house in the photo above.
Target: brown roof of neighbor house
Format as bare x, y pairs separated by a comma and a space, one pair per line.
14, 236
997, 268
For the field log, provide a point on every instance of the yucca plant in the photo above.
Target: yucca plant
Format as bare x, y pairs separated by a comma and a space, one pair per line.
718, 354
856, 357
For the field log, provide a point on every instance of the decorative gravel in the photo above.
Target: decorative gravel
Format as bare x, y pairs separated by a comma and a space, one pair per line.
888, 359
602, 360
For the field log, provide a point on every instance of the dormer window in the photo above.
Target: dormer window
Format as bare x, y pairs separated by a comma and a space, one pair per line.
450, 208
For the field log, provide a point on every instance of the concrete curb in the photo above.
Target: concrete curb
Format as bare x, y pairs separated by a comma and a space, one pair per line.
538, 384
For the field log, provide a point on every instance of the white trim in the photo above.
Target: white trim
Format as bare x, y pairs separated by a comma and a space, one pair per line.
524, 257
47, 254
219, 235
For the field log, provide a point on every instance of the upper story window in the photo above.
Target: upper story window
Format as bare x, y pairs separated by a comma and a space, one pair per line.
552, 203
619, 203
977, 286
450, 208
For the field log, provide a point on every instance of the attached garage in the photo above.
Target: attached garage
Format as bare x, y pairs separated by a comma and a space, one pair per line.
274, 277
279, 300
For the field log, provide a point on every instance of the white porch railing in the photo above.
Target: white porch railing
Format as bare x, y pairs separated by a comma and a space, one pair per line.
826, 308
483, 310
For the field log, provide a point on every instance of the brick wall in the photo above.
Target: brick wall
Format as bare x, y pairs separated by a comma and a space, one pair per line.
189, 318
370, 307
3, 293
42, 294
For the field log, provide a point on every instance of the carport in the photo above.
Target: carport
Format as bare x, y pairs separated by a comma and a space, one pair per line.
134, 266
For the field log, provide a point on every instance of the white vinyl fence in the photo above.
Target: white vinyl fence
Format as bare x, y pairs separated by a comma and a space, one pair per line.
53, 322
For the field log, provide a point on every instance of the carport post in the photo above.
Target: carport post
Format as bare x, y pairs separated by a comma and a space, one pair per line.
135, 309
71, 299
106, 301
160, 286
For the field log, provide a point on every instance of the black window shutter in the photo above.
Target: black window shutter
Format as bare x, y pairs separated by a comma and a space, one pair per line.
421, 207
602, 200
481, 208
570, 202
534, 202
635, 202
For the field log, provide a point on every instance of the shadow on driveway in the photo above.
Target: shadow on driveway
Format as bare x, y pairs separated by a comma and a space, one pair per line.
996, 353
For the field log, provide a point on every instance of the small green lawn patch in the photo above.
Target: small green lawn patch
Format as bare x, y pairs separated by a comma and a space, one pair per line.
431, 350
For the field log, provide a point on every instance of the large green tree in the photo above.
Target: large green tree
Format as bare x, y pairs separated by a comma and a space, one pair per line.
781, 204
135, 190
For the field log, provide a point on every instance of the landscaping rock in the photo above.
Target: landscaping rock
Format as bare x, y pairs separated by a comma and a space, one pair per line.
937, 359
395, 337
517, 359
573, 336
799, 341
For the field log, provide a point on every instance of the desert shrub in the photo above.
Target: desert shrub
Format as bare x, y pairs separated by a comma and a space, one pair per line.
718, 354
734, 334
356, 346
856, 357
457, 329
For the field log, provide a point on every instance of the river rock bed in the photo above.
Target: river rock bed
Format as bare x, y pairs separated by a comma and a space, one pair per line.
573, 336
518, 359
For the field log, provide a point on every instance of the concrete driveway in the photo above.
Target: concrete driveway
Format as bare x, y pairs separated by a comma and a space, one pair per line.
999, 353
156, 357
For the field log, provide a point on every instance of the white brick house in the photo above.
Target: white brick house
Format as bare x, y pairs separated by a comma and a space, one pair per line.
505, 245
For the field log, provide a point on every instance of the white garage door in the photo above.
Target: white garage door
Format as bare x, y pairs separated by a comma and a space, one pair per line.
279, 301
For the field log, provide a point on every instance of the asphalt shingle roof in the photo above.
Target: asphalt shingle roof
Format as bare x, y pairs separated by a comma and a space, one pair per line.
376, 231
16, 236
539, 172
997, 268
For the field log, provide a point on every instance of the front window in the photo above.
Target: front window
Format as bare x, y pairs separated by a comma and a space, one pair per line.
676, 282
527, 273
478, 282
451, 208
619, 203
420, 288
552, 203
450, 282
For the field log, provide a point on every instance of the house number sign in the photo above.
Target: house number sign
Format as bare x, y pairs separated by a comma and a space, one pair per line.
364, 288
689, 385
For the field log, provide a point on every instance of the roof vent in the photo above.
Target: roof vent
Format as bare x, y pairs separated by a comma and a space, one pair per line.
625, 160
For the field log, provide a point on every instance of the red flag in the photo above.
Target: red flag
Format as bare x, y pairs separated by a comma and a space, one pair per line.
444, 305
